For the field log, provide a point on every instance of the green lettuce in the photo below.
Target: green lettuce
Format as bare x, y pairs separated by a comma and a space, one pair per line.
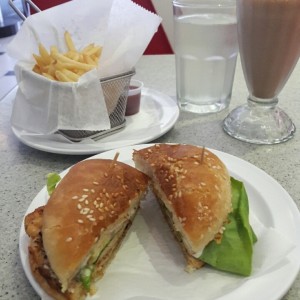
52, 180
234, 253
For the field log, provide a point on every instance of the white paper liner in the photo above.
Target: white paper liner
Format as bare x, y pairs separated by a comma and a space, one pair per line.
123, 28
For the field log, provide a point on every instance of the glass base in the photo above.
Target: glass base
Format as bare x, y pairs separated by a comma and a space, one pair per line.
259, 124
203, 108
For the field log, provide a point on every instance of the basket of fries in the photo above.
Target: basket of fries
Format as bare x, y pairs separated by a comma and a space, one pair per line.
74, 71
69, 66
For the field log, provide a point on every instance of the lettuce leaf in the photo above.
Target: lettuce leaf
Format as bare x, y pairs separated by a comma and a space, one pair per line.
234, 253
52, 180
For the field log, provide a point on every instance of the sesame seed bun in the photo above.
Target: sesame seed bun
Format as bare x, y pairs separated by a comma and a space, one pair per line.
88, 213
193, 188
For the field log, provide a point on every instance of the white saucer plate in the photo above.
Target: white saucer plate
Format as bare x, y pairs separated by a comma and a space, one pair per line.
158, 114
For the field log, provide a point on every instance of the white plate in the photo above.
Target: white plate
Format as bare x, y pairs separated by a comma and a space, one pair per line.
149, 264
158, 113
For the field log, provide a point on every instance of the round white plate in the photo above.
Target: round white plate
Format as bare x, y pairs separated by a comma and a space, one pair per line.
158, 114
150, 265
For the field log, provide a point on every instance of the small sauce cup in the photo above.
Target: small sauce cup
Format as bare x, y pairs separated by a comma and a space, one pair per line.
134, 97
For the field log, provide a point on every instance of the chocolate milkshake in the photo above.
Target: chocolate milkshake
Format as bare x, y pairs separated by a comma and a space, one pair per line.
269, 41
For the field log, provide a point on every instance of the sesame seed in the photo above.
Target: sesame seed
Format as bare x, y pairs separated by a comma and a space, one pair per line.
84, 211
79, 206
107, 195
92, 190
69, 239
85, 190
84, 196
75, 197
95, 182
105, 174
101, 204
80, 221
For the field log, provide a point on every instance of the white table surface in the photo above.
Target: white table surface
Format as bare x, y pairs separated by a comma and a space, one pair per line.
23, 169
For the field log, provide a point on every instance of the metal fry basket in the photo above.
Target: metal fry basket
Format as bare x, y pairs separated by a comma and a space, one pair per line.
115, 90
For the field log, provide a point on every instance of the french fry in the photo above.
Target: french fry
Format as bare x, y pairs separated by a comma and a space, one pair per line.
37, 69
72, 75
48, 76
87, 48
62, 77
73, 55
39, 60
73, 63
68, 66
69, 41
53, 49
88, 59
44, 54
94, 50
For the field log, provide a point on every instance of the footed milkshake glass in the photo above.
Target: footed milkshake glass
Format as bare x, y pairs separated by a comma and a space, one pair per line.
269, 44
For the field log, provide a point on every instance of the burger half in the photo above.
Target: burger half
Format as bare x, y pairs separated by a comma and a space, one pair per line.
77, 233
206, 209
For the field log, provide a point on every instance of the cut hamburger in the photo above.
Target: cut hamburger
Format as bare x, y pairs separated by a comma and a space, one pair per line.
77, 233
194, 190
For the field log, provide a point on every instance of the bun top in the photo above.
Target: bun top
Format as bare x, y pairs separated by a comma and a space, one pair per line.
93, 196
195, 187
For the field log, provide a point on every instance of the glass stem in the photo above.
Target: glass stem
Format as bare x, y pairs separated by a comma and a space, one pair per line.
267, 103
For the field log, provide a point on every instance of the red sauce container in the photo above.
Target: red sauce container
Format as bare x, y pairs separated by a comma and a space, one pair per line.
134, 97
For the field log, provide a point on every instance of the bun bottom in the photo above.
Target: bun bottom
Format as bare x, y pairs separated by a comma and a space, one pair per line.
46, 278
192, 263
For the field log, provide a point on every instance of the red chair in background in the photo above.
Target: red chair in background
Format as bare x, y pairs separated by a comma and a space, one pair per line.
159, 43
44, 4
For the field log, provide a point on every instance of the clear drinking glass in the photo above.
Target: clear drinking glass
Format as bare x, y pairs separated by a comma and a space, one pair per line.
269, 45
206, 50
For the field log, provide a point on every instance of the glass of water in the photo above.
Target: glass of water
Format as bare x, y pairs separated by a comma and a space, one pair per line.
206, 49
